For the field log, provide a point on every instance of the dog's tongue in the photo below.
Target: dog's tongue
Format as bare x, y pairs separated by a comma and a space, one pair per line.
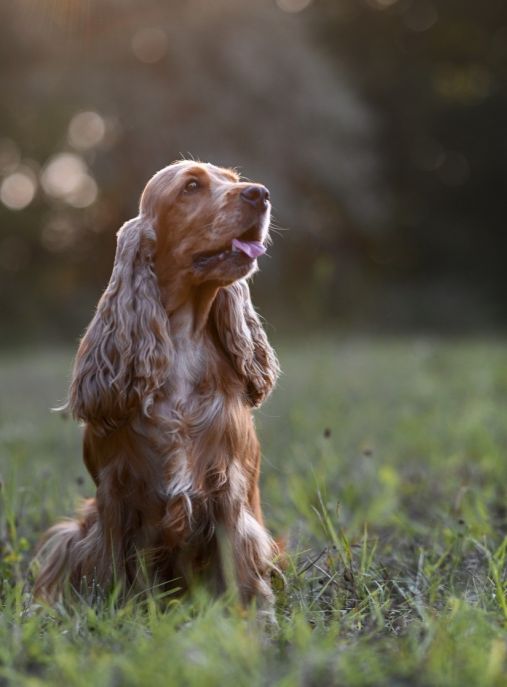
251, 248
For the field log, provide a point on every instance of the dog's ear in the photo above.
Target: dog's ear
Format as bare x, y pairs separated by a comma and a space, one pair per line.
244, 340
126, 352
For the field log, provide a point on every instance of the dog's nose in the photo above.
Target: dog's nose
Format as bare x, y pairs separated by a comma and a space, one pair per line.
257, 195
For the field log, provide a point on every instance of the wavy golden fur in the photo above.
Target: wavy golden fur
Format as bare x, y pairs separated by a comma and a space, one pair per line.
164, 380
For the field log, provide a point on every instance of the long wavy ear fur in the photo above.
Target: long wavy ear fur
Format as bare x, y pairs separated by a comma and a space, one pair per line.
244, 340
126, 351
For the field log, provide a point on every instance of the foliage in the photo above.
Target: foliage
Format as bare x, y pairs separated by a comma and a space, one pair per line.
377, 125
385, 472
234, 83
435, 75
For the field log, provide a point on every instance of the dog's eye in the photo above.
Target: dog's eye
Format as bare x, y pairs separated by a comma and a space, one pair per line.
192, 186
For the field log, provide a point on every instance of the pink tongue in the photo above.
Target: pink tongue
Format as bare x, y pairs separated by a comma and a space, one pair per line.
252, 248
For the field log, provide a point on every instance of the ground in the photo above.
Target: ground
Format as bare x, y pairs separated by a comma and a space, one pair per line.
385, 470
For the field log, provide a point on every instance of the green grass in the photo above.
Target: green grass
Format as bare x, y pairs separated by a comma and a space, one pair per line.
385, 469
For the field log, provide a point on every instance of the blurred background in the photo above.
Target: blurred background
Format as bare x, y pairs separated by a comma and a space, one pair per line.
378, 125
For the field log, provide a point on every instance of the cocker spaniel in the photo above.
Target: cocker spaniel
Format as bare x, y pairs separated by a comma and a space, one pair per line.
165, 379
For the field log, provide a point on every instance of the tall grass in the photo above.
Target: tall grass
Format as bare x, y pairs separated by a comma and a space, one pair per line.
385, 470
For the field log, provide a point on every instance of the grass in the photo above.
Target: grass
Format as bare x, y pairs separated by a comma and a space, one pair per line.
385, 470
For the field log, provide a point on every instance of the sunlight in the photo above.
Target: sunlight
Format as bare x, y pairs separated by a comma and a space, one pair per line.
86, 130
18, 189
66, 177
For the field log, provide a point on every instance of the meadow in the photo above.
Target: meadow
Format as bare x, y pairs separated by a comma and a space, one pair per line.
384, 470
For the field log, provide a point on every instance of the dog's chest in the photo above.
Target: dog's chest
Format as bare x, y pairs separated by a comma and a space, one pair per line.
194, 402
188, 371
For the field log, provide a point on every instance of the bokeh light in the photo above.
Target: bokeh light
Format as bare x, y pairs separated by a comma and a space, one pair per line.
84, 194
149, 45
18, 189
463, 84
86, 130
66, 177
376, 124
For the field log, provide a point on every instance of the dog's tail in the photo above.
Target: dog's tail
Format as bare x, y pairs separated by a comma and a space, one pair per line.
63, 551
55, 559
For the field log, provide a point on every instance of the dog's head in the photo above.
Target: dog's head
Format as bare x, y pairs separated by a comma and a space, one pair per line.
211, 227
198, 225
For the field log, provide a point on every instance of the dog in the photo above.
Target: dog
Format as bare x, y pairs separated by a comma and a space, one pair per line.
164, 380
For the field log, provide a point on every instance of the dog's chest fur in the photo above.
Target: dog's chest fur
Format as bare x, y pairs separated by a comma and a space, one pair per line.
188, 369
202, 434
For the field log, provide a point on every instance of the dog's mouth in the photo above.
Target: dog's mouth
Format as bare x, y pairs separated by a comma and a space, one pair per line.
248, 246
